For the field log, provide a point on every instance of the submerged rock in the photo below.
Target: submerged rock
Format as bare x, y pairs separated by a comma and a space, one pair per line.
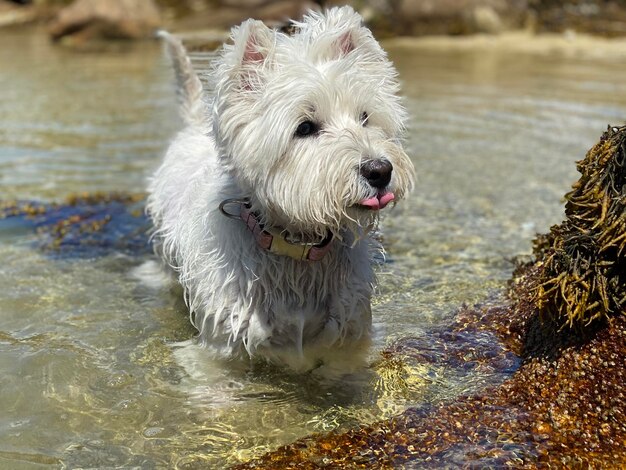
84, 225
565, 406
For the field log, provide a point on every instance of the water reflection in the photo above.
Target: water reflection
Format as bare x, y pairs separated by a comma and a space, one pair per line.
98, 369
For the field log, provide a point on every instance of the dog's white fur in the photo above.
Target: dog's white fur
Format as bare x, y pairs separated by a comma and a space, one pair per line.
241, 142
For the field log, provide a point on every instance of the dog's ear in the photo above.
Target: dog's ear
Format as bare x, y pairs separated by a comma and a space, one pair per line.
357, 37
254, 41
250, 54
344, 44
338, 32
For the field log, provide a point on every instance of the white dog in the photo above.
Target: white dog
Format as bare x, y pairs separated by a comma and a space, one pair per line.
264, 203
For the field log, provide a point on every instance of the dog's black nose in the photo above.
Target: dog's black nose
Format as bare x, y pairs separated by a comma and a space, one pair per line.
377, 172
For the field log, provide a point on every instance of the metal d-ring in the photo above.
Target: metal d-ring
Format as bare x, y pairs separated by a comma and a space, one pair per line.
226, 202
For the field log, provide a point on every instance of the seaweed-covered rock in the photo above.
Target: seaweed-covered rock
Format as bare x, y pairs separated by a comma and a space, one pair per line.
582, 261
565, 407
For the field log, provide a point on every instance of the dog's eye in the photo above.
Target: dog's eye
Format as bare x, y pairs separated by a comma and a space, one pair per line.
364, 118
307, 128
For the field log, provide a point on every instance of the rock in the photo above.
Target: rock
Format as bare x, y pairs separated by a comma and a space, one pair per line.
86, 20
426, 17
246, 3
223, 14
13, 14
84, 225
460, 16
606, 18
484, 19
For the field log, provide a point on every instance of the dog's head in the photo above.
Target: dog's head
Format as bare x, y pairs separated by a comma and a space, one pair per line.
310, 124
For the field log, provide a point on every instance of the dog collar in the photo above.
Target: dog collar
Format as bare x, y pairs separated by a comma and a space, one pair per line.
272, 239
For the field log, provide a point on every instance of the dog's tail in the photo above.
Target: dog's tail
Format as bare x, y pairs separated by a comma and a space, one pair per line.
189, 86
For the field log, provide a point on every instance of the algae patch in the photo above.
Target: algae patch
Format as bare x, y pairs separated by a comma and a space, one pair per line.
85, 224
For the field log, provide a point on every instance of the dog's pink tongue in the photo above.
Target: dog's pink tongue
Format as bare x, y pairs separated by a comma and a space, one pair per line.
386, 199
379, 201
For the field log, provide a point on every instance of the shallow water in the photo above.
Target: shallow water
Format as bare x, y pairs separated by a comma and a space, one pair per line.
96, 368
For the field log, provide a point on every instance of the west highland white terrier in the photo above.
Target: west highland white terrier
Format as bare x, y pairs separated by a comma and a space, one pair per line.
265, 202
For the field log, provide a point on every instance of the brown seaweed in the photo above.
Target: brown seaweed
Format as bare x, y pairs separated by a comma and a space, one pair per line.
582, 261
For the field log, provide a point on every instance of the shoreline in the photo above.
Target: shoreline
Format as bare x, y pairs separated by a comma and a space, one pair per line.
569, 44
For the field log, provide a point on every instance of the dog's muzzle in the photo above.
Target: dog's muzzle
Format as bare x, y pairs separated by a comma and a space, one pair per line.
273, 239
